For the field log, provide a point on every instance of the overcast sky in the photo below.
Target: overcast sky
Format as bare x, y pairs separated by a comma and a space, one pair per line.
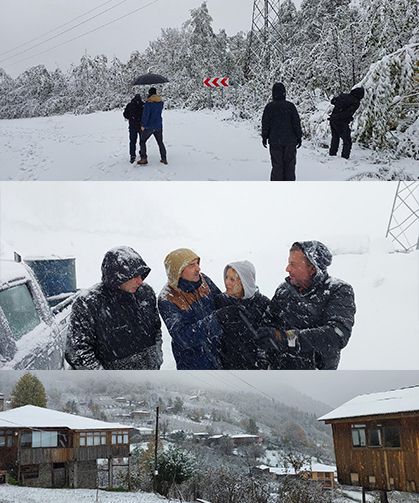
24, 20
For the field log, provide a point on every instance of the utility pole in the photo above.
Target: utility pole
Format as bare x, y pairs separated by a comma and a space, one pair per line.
156, 439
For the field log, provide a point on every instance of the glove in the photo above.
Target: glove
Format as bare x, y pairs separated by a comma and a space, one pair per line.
299, 143
228, 314
265, 142
269, 341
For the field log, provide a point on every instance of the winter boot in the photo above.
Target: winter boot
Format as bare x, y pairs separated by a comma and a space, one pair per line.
142, 162
132, 160
164, 161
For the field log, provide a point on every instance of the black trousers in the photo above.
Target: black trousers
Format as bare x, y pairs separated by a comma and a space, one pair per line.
134, 133
283, 159
158, 135
340, 130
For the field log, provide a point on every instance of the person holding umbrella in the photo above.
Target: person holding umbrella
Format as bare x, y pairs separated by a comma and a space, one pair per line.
152, 125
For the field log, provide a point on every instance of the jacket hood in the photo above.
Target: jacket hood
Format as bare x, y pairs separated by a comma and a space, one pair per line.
247, 273
278, 91
317, 253
122, 264
137, 99
358, 92
155, 98
175, 262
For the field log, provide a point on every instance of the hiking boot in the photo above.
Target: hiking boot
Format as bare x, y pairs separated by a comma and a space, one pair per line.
142, 161
164, 161
132, 160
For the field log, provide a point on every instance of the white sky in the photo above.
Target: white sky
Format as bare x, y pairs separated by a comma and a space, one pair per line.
24, 20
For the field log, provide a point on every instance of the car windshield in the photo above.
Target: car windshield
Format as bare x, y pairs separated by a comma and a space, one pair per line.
18, 307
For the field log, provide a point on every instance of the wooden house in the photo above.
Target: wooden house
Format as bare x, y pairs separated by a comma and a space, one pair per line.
46, 448
318, 472
376, 440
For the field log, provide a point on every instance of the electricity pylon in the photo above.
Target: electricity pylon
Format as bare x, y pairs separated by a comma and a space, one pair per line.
403, 226
264, 38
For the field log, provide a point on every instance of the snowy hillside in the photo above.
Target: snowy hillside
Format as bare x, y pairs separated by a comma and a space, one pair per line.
201, 145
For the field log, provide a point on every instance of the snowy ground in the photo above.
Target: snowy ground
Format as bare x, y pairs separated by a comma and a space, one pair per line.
201, 146
230, 222
13, 494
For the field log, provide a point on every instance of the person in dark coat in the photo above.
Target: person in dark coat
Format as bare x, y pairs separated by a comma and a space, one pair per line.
133, 113
240, 310
345, 107
310, 318
115, 324
152, 125
281, 127
186, 305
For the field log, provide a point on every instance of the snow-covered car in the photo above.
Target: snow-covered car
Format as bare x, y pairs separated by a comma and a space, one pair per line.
32, 327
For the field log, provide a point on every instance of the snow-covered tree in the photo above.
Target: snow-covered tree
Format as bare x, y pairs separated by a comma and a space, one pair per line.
175, 466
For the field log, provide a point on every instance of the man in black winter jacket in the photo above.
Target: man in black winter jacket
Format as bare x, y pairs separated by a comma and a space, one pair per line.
281, 127
310, 318
115, 324
345, 107
133, 113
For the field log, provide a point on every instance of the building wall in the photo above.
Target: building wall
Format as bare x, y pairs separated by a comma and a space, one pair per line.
83, 474
379, 468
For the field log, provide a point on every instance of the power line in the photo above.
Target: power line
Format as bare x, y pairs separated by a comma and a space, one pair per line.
254, 387
55, 29
88, 32
63, 32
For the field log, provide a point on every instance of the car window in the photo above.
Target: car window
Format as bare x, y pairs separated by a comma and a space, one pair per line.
19, 309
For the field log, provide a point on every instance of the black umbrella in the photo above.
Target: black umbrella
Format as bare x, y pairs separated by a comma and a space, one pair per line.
150, 78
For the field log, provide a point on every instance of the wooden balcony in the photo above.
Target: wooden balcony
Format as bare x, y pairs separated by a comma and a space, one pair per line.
62, 455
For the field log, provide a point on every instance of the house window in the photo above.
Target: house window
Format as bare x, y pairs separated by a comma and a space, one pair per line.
371, 480
391, 434
90, 438
119, 437
26, 439
359, 435
44, 439
375, 436
354, 479
29, 472
20, 311
6, 439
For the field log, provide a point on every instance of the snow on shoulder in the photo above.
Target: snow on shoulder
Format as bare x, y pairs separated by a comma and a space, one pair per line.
387, 402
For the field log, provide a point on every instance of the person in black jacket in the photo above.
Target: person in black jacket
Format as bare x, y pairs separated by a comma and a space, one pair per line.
345, 107
115, 324
281, 127
310, 318
133, 113
240, 310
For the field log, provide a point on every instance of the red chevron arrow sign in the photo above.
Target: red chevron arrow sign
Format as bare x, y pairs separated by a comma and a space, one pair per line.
216, 81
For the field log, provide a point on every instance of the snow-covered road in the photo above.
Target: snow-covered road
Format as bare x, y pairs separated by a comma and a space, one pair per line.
201, 146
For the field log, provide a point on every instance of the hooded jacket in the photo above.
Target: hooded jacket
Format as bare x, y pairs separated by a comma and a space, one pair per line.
346, 105
240, 320
187, 309
114, 329
281, 123
321, 317
134, 111
152, 114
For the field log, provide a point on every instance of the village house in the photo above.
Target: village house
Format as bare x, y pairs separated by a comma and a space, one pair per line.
318, 472
376, 441
46, 448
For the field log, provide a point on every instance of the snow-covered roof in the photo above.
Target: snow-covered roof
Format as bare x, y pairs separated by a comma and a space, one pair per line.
387, 402
30, 416
245, 435
314, 467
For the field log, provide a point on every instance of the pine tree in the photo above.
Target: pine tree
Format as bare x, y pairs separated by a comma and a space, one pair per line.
29, 390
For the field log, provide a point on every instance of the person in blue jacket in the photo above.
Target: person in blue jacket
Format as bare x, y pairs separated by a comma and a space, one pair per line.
152, 125
187, 306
